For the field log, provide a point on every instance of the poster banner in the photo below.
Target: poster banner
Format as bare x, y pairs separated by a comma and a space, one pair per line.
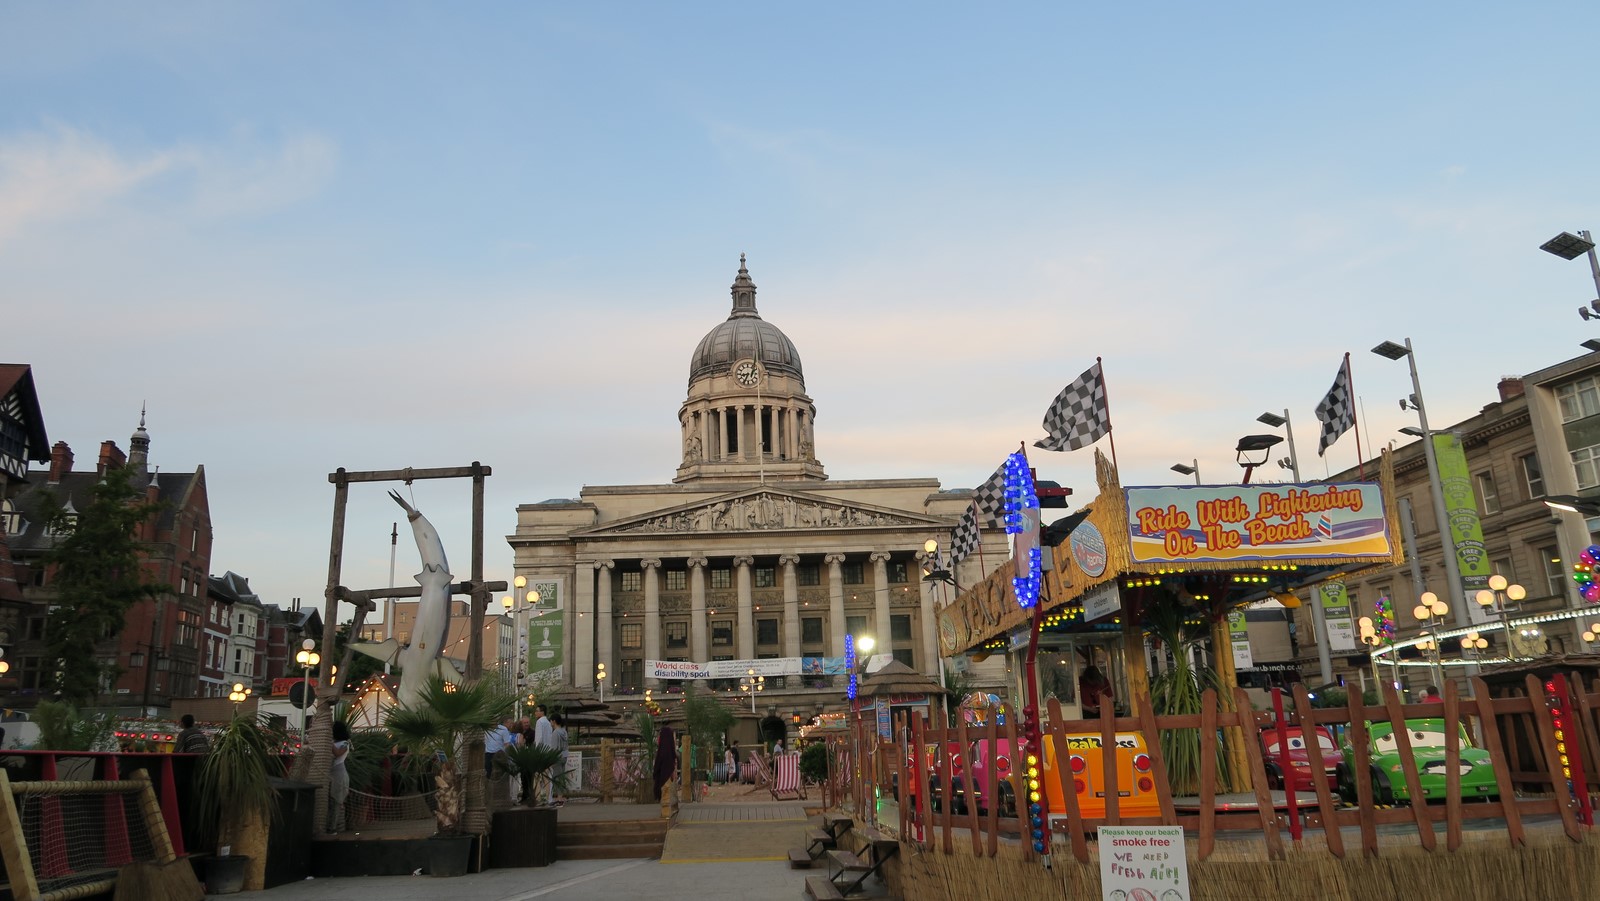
1239, 632
544, 644
676, 669
769, 666
1179, 524
552, 592
1143, 862
1335, 602
823, 666
1102, 602
1461, 511
885, 726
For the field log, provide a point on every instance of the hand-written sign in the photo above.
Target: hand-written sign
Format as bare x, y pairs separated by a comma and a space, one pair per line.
1243, 522
1143, 863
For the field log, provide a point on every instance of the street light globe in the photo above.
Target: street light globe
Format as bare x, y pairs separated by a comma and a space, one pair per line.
507, 601
1484, 597
866, 643
1516, 592
238, 686
1421, 611
533, 596
309, 643
930, 545
520, 581
1497, 582
1440, 608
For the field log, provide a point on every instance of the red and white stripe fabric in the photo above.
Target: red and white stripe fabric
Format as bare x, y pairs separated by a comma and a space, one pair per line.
786, 777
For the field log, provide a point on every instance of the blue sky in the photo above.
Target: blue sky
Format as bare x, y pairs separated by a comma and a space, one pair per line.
377, 235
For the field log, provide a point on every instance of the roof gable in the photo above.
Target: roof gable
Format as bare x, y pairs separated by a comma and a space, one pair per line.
765, 509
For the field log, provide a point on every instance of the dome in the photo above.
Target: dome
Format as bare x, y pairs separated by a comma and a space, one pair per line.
743, 336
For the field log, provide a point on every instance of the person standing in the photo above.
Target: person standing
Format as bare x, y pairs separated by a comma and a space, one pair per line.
558, 740
543, 736
495, 741
191, 740
338, 777
730, 764
666, 760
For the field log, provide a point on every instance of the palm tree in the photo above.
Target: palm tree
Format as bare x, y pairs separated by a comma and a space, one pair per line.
436, 733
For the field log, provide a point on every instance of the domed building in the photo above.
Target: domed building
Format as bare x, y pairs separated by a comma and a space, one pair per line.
751, 561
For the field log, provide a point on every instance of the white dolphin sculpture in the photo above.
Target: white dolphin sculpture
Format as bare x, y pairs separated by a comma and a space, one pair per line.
422, 657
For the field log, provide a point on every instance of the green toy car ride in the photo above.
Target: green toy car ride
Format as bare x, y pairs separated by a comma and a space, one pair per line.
1428, 749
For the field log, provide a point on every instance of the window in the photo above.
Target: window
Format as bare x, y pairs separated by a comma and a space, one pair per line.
1554, 574
1579, 399
632, 673
808, 574
1488, 495
766, 577
852, 572
35, 628
238, 661
900, 627
631, 581
677, 579
906, 656
811, 630
856, 625
897, 571
723, 684
632, 636
721, 632
1533, 475
677, 635
241, 623
721, 578
766, 631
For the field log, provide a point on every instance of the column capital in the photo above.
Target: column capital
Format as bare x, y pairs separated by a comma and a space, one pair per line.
697, 562
744, 561
650, 563
788, 559
605, 564
879, 557
833, 559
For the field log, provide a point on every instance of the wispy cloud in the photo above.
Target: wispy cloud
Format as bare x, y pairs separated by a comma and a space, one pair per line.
60, 173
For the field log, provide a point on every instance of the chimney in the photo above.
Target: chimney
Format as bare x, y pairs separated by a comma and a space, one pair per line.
1510, 386
60, 462
111, 456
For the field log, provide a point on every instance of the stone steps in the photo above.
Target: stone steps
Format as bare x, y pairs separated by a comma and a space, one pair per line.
611, 840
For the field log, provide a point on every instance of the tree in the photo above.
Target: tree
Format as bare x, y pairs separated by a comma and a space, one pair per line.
98, 578
706, 718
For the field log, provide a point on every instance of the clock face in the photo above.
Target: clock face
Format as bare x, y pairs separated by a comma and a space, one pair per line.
747, 374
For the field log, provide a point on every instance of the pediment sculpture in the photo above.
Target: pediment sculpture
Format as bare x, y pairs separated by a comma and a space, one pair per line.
765, 510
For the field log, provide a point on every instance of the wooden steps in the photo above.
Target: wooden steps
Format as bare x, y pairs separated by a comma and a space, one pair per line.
822, 889
611, 840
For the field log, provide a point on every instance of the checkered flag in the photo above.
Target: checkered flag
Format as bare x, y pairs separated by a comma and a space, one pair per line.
1338, 410
965, 540
989, 500
1079, 416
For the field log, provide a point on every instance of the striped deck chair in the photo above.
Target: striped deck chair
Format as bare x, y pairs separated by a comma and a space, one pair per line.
786, 782
763, 771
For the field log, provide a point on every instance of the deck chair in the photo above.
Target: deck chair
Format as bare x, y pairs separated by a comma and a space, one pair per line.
763, 772
786, 782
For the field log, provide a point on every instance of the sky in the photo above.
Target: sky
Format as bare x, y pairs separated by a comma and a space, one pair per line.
374, 235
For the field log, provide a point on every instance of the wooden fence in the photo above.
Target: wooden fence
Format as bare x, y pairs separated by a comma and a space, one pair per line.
1538, 768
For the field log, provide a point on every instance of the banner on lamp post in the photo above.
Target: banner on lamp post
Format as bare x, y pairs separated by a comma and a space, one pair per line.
1335, 601
1461, 511
1239, 633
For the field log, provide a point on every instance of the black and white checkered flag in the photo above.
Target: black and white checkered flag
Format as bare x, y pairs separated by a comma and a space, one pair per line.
965, 540
990, 500
1337, 411
1079, 416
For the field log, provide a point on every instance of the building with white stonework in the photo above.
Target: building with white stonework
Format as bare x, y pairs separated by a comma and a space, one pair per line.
751, 552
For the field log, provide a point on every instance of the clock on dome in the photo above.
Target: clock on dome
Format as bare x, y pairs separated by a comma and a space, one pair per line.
747, 373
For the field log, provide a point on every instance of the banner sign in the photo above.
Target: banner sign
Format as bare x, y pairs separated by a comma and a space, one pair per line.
1335, 601
1239, 632
551, 595
1143, 862
1179, 524
1461, 510
543, 642
823, 666
676, 669
885, 727
738, 669
1102, 602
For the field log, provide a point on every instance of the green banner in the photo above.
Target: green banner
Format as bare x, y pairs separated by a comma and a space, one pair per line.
1461, 512
1239, 634
544, 644
1335, 601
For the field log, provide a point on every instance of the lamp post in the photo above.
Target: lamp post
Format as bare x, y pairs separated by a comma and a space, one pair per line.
517, 606
1569, 246
1191, 468
1252, 451
600, 680
238, 695
1431, 611
309, 659
753, 684
1277, 421
1452, 568
856, 651
1370, 636
1493, 600
934, 571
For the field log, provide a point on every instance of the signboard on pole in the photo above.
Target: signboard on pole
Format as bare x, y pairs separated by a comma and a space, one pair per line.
885, 726
1239, 632
1139, 862
1461, 508
1335, 601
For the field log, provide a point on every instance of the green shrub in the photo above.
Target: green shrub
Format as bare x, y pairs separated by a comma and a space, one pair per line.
814, 762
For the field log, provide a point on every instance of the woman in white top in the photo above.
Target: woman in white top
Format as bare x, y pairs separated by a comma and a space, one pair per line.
338, 777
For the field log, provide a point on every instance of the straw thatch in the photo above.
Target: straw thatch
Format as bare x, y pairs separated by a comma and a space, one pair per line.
895, 678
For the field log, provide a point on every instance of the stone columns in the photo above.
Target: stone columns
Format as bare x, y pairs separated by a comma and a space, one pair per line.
836, 620
581, 637
880, 600
747, 621
603, 630
697, 610
722, 433
791, 606
652, 614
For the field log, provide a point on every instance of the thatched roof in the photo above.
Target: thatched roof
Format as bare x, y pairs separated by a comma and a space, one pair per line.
895, 678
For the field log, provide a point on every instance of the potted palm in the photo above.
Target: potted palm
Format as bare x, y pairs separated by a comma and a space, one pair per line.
437, 733
234, 783
525, 836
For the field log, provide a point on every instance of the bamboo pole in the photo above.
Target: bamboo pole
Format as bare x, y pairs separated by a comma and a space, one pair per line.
1233, 737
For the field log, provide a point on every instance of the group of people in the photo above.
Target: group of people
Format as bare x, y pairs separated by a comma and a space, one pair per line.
545, 729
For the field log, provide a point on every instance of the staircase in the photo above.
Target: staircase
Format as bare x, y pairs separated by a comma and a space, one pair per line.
610, 839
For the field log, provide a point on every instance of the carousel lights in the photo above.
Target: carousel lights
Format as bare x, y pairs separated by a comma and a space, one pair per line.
1239, 578
1141, 583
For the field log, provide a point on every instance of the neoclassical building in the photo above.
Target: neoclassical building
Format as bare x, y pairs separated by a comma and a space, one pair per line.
751, 552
